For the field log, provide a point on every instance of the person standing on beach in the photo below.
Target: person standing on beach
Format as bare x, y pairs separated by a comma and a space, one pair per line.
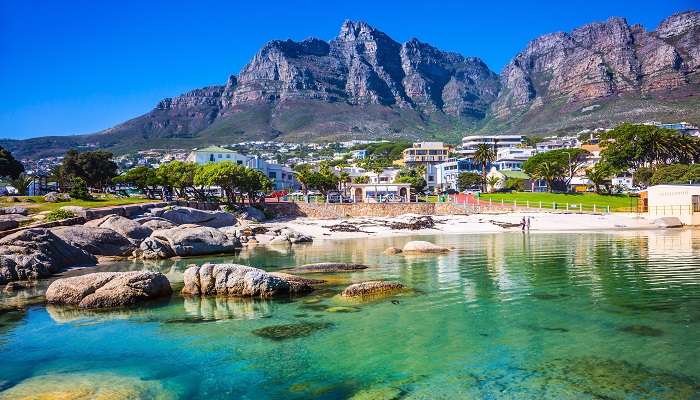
522, 224
528, 223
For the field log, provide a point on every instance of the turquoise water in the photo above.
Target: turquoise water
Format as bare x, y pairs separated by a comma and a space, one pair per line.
503, 316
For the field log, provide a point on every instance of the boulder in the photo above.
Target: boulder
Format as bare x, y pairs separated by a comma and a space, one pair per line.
392, 251
238, 281
279, 240
158, 223
186, 215
14, 210
187, 240
9, 224
371, 288
108, 289
131, 229
55, 197
95, 240
36, 253
297, 279
419, 246
328, 267
252, 214
15, 217
668, 222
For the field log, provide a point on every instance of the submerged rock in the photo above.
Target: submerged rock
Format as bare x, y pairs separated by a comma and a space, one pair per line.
108, 289
392, 251
37, 253
291, 331
328, 267
238, 281
384, 393
95, 240
342, 309
420, 246
641, 330
187, 215
87, 386
297, 279
131, 229
372, 288
668, 222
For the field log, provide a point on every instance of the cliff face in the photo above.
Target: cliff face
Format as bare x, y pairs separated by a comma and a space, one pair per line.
363, 84
600, 60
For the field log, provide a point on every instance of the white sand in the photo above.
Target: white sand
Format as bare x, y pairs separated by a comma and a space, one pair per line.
476, 223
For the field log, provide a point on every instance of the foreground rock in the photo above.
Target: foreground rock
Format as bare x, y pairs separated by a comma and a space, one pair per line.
187, 240
8, 224
55, 197
186, 215
14, 210
238, 281
131, 229
37, 253
108, 289
328, 267
668, 222
419, 246
156, 223
372, 288
95, 240
252, 214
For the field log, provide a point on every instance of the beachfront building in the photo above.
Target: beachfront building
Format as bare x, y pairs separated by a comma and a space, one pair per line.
471, 143
281, 175
214, 154
512, 158
518, 179
683, 128
425, 153
446, 174
680, 201
567, 142
388, 175
380, 192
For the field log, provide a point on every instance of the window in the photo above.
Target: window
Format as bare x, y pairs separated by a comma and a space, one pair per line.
211, 157
219, 155
272, 174
696, 203
239, 162
228, 156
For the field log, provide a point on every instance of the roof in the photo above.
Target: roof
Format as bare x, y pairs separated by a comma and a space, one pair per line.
214, 149
515, 174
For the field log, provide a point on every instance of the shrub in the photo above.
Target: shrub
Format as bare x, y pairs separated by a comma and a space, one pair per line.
79, 189
58, 214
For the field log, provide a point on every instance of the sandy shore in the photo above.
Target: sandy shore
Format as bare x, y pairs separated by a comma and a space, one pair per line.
476, 223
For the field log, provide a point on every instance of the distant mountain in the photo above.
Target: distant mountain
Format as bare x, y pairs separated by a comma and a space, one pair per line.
363, 84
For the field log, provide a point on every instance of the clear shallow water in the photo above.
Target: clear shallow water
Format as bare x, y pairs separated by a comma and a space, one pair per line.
503, 316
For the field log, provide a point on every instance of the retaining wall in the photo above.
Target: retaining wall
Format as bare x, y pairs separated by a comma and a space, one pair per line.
315, 210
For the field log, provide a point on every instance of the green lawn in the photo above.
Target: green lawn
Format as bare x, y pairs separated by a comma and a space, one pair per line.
36, 204
621, 202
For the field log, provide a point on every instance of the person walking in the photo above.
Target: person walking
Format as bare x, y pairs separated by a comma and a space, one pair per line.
528, 223
522, 224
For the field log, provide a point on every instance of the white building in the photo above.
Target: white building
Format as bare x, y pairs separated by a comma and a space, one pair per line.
680, 201
557, 143
512, 158
214, 154
470, 143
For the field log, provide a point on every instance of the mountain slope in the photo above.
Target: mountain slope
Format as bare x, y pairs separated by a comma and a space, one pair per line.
363, 84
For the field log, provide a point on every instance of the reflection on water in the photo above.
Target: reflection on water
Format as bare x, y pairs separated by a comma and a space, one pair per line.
501, 316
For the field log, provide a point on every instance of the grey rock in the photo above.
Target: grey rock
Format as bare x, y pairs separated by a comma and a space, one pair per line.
668, 222
252, 214
131, 229
55, 197
158, 223
372, 288
8, 224
420, 246
187, 215
15, 217
187, 240
238, 281
327, 267
37, 253
108, 289
14, 210
95, 240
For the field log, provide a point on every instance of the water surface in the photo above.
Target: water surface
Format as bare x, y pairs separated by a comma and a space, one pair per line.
503, 316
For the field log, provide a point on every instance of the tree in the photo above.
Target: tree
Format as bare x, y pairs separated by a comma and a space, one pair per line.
254, 184
412, 176
142, 177
484, 156
179, 176
21, 183
492, 181
9, 167
96, 168
631, 146
224, 174
676, 174
549, 171
466, 180
79, 189
566, 161
324, 180
344, 178
642, 176
599, 175
303, 174
364, 179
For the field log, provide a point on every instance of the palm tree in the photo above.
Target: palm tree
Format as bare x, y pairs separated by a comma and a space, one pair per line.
492, 181
598, 175
344, 178
484, 155
303, 174
549, 171
21, 183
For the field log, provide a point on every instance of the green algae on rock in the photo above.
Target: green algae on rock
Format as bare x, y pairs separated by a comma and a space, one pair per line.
291, 331
641, 330
372, 289
342, 309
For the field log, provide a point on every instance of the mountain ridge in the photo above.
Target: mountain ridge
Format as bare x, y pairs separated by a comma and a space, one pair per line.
363, 84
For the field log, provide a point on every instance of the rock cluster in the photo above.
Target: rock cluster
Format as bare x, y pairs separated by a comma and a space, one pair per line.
238, 281
37, 253
108, 289
187, 215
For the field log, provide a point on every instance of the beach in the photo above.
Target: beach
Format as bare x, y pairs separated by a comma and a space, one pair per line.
321, 229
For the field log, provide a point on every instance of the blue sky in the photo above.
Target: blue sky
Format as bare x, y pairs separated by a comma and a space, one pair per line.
81, 66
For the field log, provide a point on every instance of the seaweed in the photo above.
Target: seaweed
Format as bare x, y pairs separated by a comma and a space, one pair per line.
291, 331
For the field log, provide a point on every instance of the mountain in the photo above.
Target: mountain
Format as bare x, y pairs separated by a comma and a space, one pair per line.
363, 84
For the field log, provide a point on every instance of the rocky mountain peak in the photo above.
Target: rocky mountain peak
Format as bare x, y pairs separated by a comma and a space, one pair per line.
356, 30
678, 24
